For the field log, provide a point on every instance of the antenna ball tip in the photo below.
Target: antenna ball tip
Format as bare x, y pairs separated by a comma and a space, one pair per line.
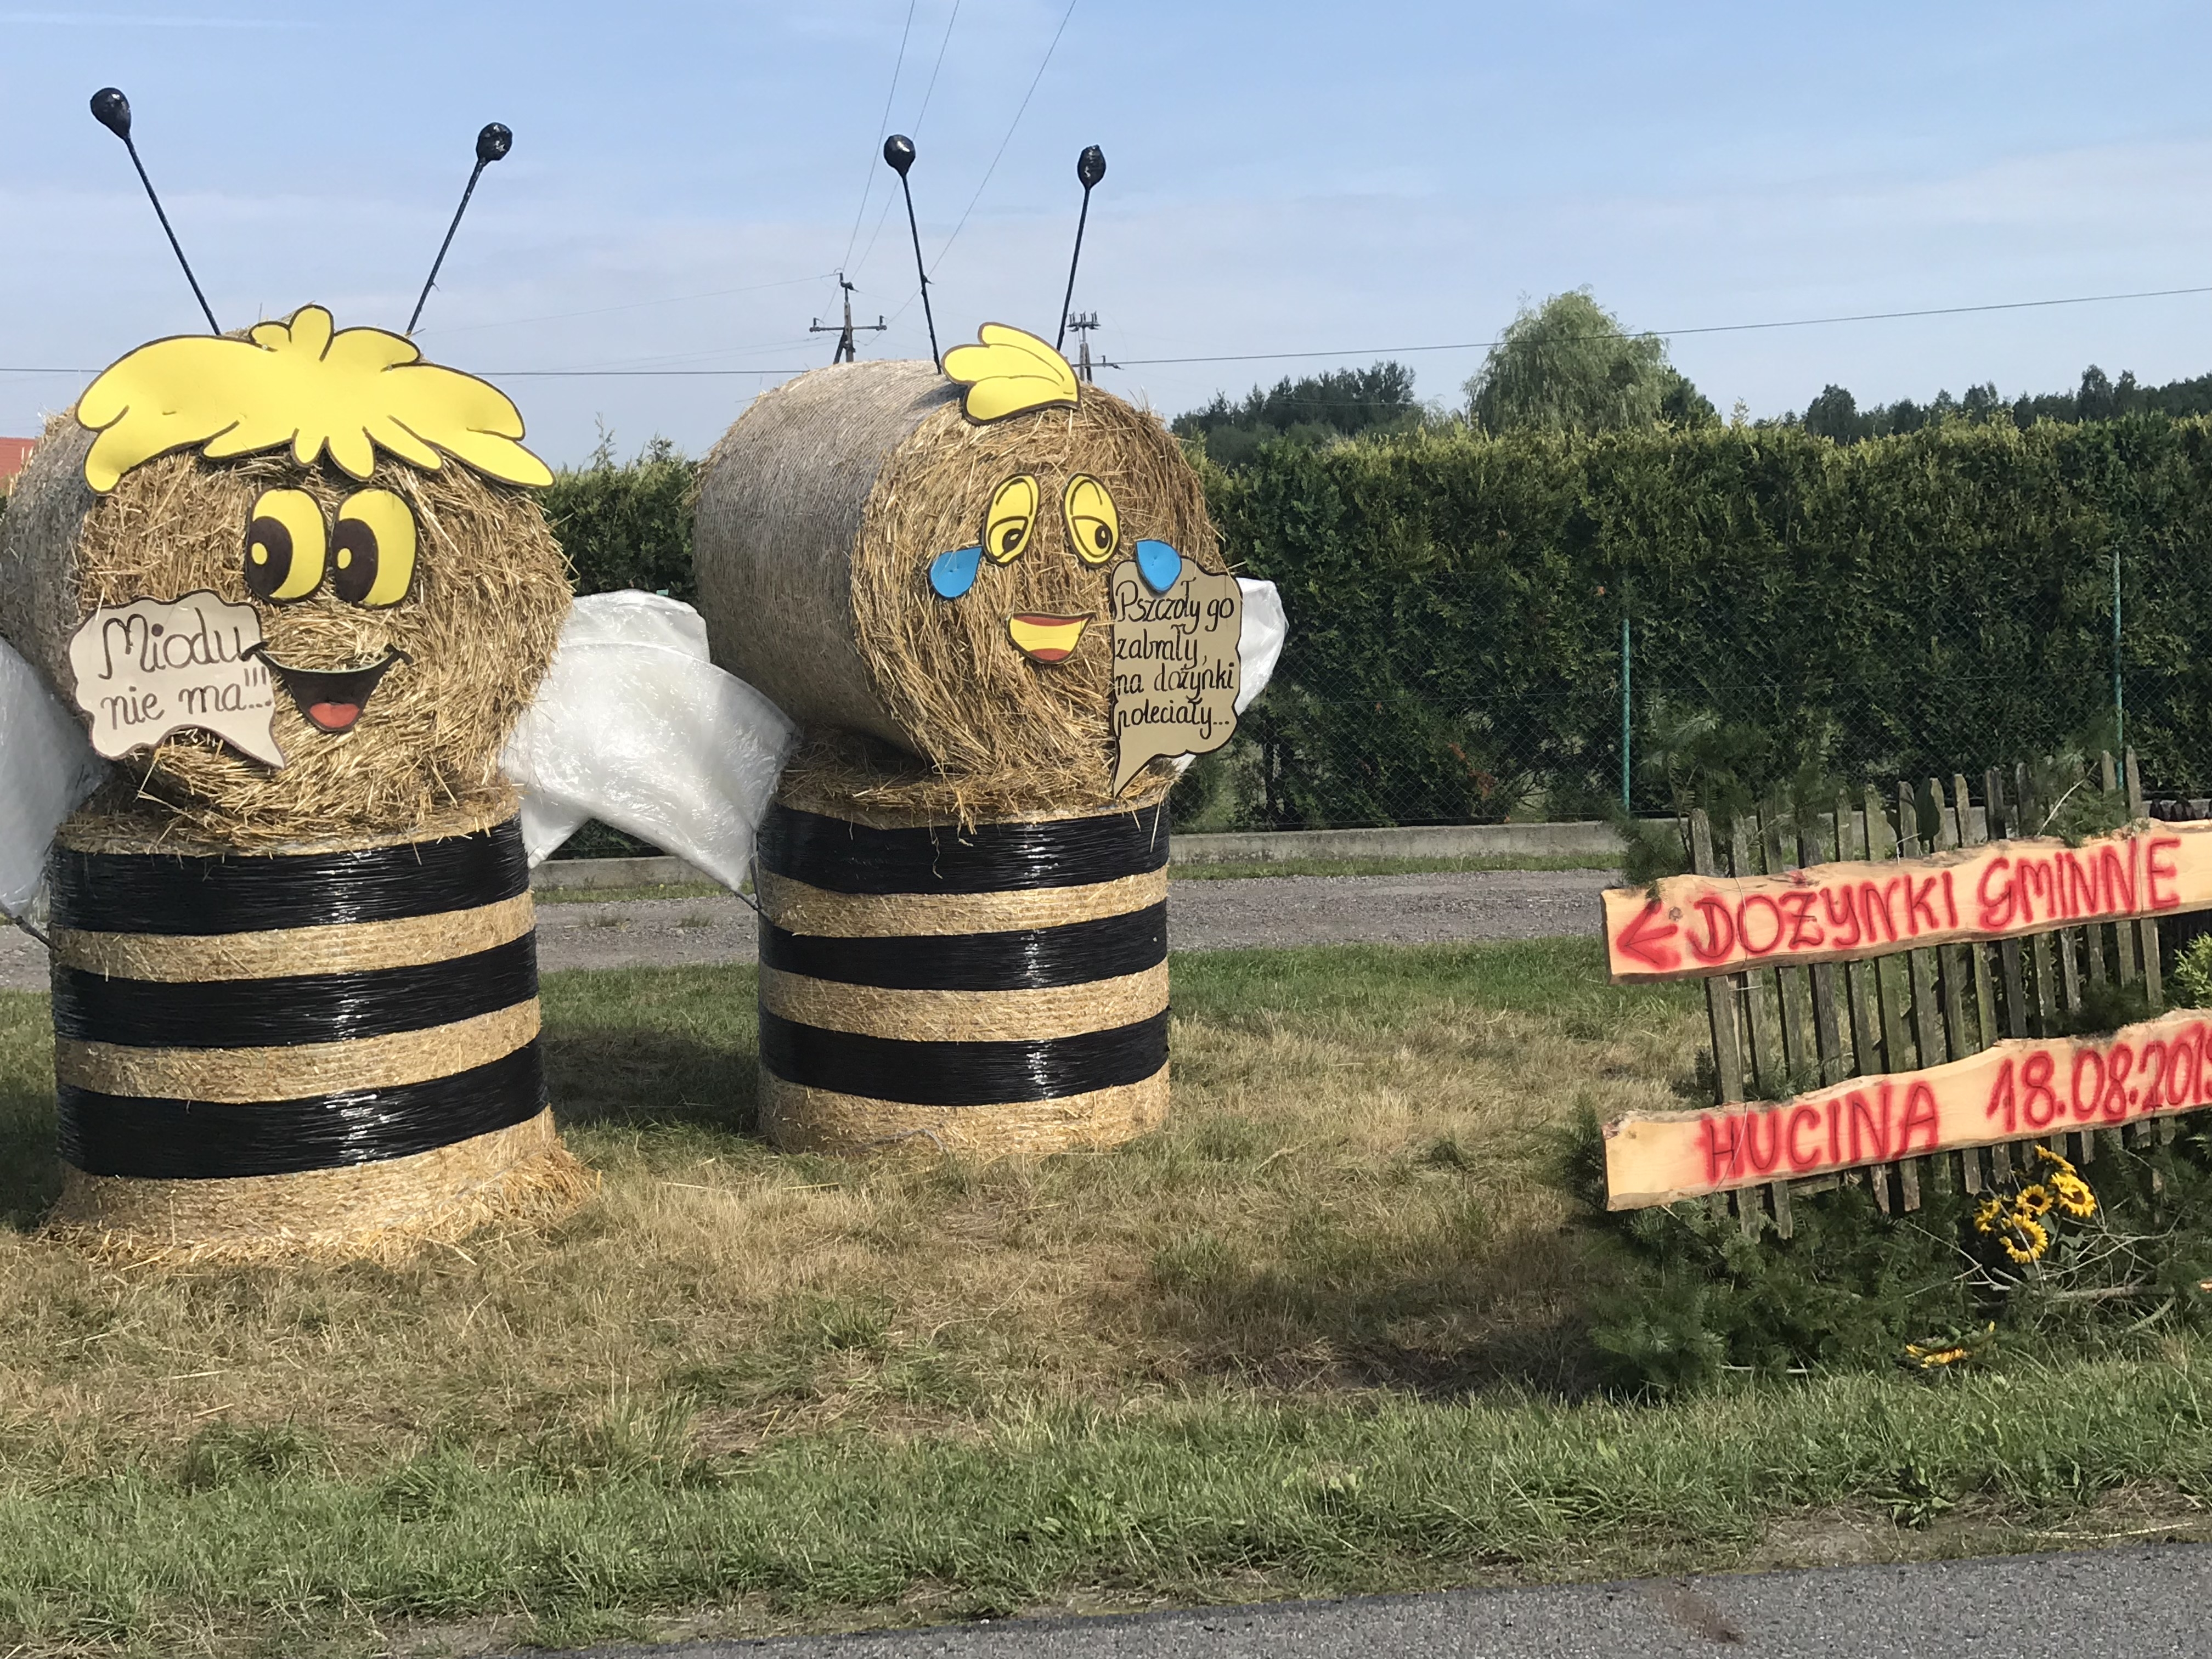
112, 110
493, 143
1091, 165
898, 152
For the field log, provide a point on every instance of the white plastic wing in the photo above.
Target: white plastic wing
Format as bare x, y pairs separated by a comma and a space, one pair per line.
46, 767
1260, 640
633, 726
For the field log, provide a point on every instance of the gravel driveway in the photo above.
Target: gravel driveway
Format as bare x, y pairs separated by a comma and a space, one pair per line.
1202, 915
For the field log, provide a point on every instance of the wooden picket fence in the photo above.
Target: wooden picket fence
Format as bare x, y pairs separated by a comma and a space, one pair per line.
1778, 1031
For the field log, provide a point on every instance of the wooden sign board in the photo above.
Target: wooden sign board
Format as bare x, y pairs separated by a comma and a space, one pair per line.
2021, 1087
1695, 926
1175, 665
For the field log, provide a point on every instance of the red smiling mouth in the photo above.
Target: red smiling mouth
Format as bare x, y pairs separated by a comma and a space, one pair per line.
332, 698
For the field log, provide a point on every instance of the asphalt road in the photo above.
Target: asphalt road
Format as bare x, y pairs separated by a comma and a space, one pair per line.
2140, 1603
1202, 915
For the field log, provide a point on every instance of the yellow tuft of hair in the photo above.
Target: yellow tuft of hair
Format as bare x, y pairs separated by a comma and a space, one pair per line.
1010, 372
300, 383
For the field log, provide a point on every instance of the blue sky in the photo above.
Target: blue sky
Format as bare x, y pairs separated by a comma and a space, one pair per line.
1289, 176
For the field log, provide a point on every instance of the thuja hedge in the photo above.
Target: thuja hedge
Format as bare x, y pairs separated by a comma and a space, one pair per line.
1914, 604
1936, 601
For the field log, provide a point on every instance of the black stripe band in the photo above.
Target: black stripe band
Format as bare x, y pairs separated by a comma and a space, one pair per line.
255, 1013
1026, 959
962, 1074
167, 893
991, 858
152, 1140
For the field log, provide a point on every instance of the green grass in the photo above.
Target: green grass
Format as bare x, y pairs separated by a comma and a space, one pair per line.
1322, 1333
653, 890
1393, 867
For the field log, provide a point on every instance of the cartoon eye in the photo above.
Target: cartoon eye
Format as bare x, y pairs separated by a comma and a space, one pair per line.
1012, 513
373, 549
284, 545
1094, 528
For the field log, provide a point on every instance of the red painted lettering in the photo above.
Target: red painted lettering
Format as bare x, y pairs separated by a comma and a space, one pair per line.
1803, 1117
1743, 925
1862, 1110
1870, 896
1762, 1162
2113, 1104
1829, 902
1920, 1113
2038, 1105
2169, 899
2035, 888
1920, 891
2118, 880
1719, 943
1835, 1125
2003, 1103
1800, 906
2081, 887
1721, 1138
1950, 901
1996, 908
2085, 1109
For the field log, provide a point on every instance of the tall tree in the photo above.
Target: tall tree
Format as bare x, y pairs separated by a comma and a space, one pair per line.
1568, 366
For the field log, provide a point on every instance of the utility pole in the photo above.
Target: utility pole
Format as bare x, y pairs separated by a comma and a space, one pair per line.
845, 352
1083, 322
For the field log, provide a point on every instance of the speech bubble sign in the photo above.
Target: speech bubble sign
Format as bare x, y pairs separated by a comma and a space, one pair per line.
155, 667
1175, 665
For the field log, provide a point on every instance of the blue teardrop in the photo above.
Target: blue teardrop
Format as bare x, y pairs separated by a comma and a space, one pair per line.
1160, 565
953, 574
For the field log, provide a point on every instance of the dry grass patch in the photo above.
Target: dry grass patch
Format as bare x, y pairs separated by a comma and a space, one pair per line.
1350, 1194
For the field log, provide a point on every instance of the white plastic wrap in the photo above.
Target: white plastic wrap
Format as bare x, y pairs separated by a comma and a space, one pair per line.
1260, 640
633, 726
46, 767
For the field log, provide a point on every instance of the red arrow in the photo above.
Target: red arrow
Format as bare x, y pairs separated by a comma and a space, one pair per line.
1639, 939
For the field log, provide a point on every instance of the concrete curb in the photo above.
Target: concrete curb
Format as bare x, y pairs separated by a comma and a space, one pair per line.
1454, 841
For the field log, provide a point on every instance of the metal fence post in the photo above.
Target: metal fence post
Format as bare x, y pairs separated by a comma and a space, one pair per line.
2119, 703
1625, 727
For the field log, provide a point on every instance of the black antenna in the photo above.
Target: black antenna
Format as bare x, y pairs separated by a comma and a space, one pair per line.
112, 110
1090, 168
492, 144
898, 154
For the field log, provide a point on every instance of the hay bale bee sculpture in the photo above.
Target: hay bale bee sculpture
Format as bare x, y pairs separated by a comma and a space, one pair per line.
992, 599
284, 637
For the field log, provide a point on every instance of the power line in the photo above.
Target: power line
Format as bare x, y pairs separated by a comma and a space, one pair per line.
868, 183
1673, 333
1388, 351
1008, 139
632, 305
914, 131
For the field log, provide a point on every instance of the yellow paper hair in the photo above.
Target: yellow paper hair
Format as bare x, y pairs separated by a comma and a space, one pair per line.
298, 383
1009, 374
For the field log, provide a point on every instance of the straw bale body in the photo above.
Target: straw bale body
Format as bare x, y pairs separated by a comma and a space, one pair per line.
278, 1031
995, 988
819, 515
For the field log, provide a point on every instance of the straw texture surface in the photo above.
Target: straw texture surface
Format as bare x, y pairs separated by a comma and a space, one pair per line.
802, 1120
489, 594
520, 1176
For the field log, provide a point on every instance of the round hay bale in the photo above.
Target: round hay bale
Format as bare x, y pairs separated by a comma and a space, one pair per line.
491, 590
996, 988
295, 1005
819, 515
265, 1054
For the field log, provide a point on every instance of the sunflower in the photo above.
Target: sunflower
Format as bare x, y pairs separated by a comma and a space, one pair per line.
2073, 1195
2036, 1201
2036, 1235
2053, 1158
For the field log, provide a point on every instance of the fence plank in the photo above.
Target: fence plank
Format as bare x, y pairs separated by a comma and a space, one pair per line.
1820, 847
1985, 1018
1927, 1023
1770, 1059
1888, 975
1721, 994
2030, 823
2146, 930
1954, 978
1791, 999
1859, 985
